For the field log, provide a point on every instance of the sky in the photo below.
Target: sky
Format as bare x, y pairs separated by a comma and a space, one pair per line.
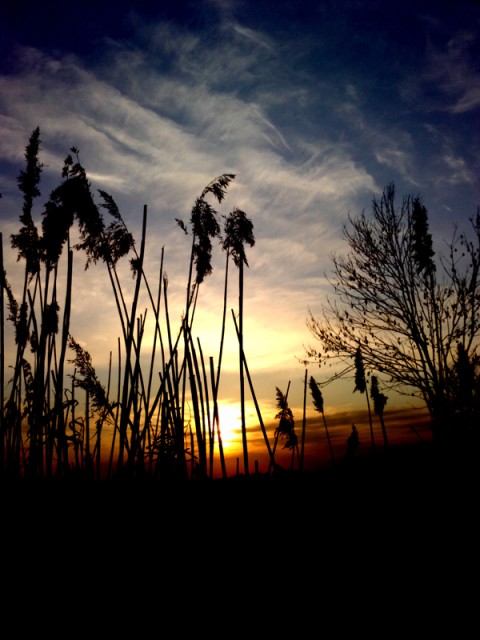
314, 107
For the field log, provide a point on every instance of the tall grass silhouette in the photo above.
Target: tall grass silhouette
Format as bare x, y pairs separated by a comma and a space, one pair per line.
361, 386
163, 415
317, 398
379, 402
285, 430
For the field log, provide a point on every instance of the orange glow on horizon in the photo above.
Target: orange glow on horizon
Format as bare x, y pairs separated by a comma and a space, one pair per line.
230, 420
230, 423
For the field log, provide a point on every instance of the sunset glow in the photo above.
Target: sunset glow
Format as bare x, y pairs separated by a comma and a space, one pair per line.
230, 426
299, 117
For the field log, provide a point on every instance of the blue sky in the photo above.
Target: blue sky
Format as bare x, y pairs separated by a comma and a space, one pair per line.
314, 106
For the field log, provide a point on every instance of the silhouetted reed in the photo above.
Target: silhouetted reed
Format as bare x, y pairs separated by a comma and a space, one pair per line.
317, 398
163, 417
238, 232
361, 386
285, 430
379, 402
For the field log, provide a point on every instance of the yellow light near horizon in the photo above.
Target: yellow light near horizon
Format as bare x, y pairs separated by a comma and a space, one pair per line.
230, 424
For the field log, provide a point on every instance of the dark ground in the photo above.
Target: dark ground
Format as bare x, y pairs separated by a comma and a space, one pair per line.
409, 482
392, 534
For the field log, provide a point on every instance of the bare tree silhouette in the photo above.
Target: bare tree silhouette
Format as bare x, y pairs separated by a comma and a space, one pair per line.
407, 320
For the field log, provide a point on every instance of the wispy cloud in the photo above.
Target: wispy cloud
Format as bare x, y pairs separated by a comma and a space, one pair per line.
254, 36
460, 172
448, 79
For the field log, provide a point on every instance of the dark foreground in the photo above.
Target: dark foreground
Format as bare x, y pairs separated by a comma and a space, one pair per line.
408, 482
386, 542
395, 532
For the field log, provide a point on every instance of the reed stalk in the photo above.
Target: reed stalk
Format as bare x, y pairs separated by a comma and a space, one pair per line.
361, 386
216, 418
319, 406
128, 373
239, 232
271, 453
206, 413
241, 373
304, 423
